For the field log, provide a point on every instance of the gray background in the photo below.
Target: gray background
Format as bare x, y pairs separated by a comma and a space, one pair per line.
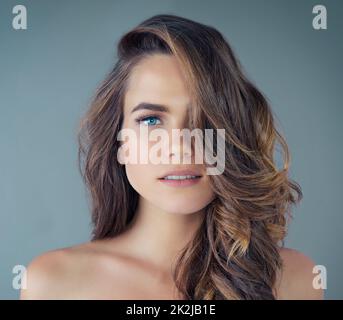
49, 72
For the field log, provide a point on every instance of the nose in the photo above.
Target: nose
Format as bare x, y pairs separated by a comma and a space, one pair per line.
181, 147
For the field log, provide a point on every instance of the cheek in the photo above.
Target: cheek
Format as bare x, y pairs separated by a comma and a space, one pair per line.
137, 150
139, 176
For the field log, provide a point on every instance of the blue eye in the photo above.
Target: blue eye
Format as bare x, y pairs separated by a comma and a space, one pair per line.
150, 121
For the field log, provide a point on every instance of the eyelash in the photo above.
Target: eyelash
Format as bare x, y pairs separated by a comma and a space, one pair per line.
138, 120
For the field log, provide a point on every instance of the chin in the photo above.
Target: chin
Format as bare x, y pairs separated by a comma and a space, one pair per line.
180, 207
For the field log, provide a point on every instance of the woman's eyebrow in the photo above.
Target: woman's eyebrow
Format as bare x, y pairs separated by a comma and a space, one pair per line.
150, 106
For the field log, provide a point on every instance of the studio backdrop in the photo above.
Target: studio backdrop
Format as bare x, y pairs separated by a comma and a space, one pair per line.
56, 54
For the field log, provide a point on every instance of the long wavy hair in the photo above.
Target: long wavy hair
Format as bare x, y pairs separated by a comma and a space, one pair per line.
235, 252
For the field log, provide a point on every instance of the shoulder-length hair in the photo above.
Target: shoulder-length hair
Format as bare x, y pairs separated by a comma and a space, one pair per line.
235, 253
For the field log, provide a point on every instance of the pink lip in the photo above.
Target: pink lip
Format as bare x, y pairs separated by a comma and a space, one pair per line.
181, 183
181, 173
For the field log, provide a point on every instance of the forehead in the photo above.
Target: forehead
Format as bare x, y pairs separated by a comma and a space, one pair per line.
157, 79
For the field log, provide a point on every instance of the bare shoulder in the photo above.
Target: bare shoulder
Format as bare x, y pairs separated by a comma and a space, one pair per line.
295, 282
58, 274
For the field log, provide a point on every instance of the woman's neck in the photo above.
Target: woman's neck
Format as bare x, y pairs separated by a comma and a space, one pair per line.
157, 236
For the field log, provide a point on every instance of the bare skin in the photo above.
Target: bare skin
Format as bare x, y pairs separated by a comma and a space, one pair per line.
137, 264
104, 270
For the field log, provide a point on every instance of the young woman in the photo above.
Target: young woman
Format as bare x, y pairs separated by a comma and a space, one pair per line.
202, 236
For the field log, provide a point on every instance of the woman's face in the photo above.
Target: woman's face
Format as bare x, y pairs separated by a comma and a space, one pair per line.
157, 80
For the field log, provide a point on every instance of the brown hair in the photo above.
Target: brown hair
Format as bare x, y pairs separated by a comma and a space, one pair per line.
235, 251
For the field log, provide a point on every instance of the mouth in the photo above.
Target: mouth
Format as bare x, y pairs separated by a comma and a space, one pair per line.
181, 178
